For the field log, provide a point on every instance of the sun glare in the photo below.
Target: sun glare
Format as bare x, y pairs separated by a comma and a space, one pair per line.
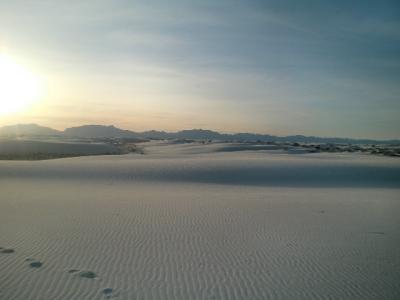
19, 88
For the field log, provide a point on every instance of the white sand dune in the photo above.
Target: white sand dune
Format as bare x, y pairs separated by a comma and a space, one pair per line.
249, 168
188, 222
20, 147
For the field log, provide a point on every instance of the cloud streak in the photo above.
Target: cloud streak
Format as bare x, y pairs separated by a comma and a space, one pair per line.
266, 66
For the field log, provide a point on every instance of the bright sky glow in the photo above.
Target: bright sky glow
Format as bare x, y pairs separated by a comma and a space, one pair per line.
312, 67
19, 88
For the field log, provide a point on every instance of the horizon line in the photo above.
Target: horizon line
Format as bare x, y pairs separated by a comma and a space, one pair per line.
219, 132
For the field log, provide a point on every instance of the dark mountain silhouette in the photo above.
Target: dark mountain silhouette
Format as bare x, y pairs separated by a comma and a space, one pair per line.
27, 130
199, 134
101, 131
157, 135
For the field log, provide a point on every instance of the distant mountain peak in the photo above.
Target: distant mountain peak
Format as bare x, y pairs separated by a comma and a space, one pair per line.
99, 131
27, 130
110, 131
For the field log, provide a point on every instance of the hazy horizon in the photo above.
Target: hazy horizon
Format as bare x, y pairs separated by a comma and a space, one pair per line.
313, 68
194, 129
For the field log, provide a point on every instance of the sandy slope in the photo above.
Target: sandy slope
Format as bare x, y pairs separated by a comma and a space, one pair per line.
169, 225
21, 147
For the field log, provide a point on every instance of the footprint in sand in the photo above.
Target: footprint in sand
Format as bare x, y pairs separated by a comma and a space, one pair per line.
109, 293
73, 271
83, 274
33, 263
36, 264
87, 274
6, 250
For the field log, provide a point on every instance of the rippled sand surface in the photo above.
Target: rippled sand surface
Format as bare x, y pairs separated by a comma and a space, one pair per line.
183, 223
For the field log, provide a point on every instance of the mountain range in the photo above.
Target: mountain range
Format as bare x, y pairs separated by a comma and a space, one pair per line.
101, 131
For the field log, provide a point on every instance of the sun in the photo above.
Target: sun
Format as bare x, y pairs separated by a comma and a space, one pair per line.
19, 88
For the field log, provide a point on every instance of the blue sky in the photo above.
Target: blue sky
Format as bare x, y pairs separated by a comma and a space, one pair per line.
328, 68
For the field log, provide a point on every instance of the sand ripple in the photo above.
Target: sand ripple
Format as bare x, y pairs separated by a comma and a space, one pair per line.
127, 232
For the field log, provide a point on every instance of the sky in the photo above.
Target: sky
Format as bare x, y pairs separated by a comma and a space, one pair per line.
324, 68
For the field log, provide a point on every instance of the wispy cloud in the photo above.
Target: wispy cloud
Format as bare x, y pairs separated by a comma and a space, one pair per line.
267, 66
